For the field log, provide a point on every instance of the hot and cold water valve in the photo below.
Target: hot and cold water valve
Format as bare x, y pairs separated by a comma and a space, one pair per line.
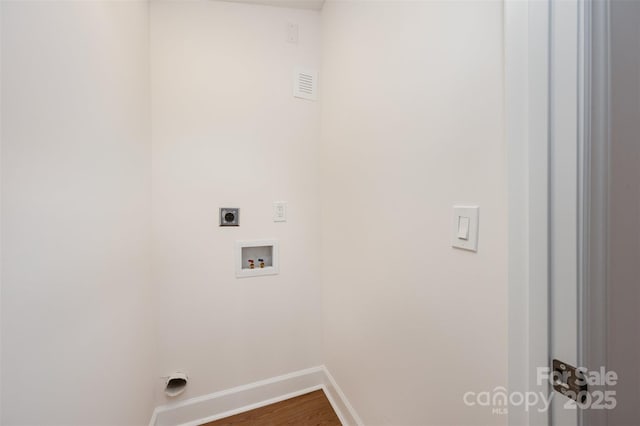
255, 258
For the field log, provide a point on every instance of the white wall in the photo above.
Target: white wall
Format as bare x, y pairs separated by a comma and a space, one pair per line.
228, 133
411, 95
76, 320
412, 123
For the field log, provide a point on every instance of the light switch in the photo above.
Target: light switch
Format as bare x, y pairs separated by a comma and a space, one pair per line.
465, 227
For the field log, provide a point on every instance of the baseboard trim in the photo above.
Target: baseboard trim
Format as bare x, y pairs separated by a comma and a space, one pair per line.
218, 405
339, 401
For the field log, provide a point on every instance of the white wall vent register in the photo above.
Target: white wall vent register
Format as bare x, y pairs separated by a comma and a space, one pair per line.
305, 84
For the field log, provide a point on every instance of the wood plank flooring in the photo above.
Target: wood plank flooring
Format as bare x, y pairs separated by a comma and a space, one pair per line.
311, 409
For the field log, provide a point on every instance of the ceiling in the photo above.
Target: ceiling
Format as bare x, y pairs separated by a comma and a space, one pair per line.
296, 4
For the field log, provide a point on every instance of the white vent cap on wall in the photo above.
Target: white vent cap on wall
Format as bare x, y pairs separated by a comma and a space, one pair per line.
305, 84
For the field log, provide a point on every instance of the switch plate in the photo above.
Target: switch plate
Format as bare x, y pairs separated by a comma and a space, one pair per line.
280, 211
465, 227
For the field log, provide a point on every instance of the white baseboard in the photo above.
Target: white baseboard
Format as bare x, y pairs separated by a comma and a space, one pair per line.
339, 401
217, 405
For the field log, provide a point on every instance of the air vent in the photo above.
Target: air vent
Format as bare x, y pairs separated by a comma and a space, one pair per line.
305, 84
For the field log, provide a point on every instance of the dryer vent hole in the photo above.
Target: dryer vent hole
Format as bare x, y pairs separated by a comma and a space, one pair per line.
176, 385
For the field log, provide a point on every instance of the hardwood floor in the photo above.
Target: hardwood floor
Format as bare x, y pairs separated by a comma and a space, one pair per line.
311, 409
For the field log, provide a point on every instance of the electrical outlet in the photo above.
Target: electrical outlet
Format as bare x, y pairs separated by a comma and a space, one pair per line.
229, 216
280, 211
292, 33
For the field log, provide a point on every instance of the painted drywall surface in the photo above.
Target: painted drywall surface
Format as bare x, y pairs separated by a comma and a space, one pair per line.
412, 123
76, 319
228, 133
624, 212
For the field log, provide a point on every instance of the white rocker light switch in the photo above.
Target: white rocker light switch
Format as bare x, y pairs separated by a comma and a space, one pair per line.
465, 227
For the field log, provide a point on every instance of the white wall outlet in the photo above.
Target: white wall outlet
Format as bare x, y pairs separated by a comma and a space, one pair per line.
465, 227
292, 33
279, 211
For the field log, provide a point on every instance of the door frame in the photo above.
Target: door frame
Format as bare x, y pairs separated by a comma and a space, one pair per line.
527, 124
595, 203
528, 89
